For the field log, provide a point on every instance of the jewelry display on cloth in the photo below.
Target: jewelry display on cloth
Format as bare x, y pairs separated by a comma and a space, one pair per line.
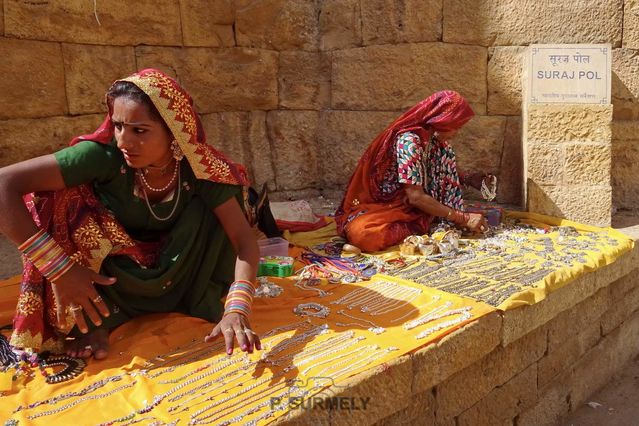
516, 256
267, 288
312, 309
213, 387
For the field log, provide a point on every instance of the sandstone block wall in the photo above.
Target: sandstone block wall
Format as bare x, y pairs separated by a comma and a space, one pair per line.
297, 89
568, 161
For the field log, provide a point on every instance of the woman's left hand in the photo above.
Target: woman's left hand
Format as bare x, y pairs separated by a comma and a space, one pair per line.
236, 326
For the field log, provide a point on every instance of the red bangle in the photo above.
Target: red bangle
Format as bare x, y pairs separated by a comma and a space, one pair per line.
460, 218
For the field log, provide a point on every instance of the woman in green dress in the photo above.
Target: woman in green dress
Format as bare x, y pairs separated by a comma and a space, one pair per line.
142, 216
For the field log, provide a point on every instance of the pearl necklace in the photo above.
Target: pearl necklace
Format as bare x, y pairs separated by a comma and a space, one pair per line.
165, 187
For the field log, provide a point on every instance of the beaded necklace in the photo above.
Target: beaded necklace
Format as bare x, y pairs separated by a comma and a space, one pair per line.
165, 187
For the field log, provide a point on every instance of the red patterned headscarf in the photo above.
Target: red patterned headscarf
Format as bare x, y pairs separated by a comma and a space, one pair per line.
441, 112
176, 109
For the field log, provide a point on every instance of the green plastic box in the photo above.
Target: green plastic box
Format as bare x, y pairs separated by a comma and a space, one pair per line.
275, 266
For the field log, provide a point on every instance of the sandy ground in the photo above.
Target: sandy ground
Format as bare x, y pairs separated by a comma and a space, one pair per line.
619, 401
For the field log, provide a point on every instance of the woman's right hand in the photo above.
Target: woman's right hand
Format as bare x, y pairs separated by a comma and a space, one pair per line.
476, 223
75, 292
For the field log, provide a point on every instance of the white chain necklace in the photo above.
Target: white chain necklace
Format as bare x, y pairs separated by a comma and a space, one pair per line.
165, 187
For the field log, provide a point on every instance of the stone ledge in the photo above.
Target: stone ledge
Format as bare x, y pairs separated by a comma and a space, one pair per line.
455, 352
519, 322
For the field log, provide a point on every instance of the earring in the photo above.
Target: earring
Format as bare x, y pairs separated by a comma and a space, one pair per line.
177, 151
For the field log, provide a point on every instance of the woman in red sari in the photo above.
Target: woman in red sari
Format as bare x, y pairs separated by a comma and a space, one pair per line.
408, 176
141, 216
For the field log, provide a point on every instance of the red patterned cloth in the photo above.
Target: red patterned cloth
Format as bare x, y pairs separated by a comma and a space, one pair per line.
373, 217
87, 232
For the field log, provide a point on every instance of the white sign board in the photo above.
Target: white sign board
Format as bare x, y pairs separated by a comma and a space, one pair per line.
569, 73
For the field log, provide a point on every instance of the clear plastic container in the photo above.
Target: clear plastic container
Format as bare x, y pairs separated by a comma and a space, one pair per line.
276, 246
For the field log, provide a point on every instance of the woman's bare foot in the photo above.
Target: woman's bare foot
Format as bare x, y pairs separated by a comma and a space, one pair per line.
95, 343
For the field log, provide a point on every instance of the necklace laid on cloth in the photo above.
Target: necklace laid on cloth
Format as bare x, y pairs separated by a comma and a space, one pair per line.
72, 368
79, 400
175, 203
312, 309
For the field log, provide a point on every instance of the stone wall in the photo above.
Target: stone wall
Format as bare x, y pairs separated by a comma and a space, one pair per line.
296, 89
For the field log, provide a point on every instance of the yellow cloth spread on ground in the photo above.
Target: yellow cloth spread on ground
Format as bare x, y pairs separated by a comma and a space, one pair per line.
159, 370
524, 261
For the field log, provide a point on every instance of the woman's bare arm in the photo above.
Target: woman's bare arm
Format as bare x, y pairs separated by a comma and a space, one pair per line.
416, 197
236, 227
16, 180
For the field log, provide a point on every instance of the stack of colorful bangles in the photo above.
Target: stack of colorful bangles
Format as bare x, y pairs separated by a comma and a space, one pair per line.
240, 298
46, 254
457, 216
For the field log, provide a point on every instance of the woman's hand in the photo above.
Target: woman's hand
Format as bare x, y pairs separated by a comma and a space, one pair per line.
236, 326
476, 223
74, 292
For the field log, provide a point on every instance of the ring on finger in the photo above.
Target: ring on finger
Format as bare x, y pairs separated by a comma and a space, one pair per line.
74, 308
226, 330
97, 299
248, 331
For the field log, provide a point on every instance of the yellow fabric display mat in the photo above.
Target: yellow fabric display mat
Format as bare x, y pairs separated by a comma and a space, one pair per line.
520, 263
160, 371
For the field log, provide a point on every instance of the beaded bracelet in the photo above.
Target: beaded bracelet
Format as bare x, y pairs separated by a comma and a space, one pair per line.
46, 254
240, 298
